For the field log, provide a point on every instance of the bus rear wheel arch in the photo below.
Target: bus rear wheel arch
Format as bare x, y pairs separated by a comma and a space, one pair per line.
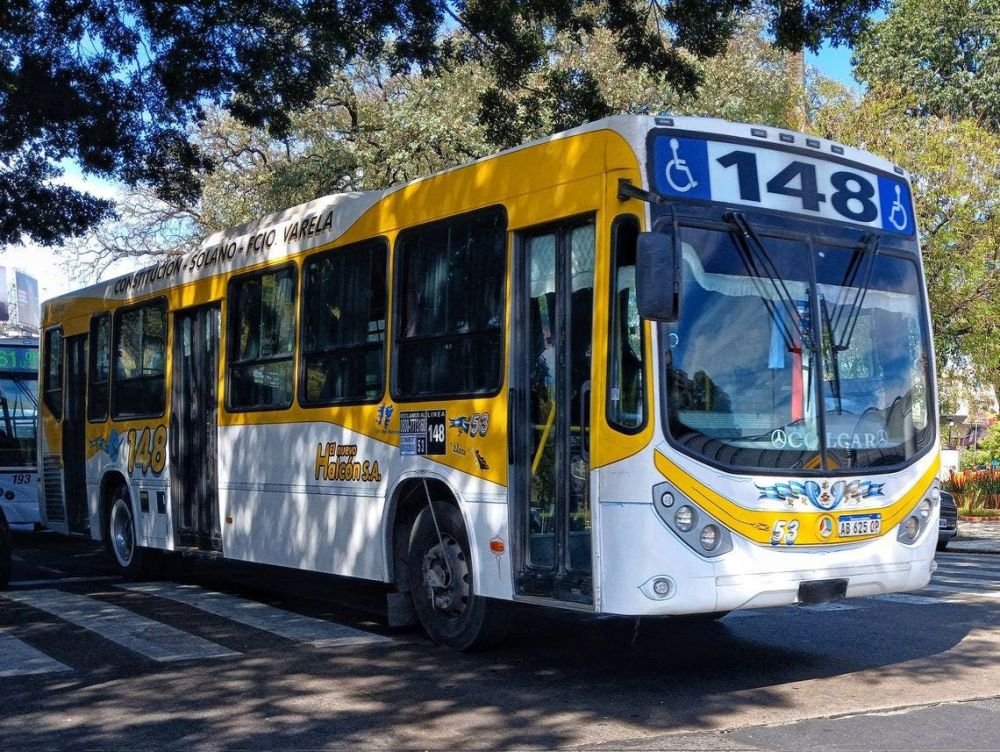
120, 535
441, 583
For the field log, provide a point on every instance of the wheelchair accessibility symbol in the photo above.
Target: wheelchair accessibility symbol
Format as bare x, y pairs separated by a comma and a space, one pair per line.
897, 214
678, 173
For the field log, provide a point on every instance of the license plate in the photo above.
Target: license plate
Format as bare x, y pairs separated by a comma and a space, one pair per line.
855, 525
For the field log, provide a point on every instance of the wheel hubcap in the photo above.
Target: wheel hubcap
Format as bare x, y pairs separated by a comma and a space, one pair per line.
446, 575
122, 539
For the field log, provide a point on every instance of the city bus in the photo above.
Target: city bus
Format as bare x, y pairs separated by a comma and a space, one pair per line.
650, 366
19, 496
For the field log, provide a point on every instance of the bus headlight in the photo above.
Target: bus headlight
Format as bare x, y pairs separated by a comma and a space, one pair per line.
919, 517
709, 538
684, 518
924, 509
909, 529
695, 527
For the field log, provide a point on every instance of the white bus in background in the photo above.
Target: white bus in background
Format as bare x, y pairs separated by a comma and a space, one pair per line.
18, 432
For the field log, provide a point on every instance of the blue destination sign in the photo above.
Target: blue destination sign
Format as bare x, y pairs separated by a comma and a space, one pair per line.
768, 178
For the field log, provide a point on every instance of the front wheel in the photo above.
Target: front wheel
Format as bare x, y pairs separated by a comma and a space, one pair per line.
441, 584
133, 560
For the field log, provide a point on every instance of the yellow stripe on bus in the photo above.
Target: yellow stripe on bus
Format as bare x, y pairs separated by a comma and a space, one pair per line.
757, 525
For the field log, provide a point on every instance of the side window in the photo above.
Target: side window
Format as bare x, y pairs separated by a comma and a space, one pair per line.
261, 340
100, 367
343, 325
626, 377
53, 372
450, 304
138, 363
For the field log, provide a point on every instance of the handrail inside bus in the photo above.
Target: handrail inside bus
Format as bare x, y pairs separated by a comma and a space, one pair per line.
545, 435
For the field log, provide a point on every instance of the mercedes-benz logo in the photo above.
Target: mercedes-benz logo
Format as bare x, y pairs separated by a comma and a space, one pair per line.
778, 439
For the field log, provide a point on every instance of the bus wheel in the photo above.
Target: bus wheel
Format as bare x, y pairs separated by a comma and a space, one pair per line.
441, 577
133, 560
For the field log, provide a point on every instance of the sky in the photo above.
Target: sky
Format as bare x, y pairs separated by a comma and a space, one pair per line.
45, 265
835, 63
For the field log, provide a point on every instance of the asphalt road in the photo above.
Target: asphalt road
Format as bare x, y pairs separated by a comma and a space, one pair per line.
237, 657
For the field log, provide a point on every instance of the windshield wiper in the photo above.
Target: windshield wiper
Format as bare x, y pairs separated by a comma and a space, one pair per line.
834, 365
760, 266
19, 383
854, 308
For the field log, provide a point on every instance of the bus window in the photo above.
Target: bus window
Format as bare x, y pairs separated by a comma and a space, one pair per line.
53, 372
343, 329
626, 408
100, 367
451, 296
261, 340
139, 361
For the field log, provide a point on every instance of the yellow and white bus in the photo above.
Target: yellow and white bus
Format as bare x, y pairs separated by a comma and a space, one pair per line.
649, 366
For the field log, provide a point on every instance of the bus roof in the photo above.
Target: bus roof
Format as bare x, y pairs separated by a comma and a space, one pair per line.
323, 220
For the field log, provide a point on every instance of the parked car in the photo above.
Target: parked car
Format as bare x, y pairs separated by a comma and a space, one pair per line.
4, 551
948, 524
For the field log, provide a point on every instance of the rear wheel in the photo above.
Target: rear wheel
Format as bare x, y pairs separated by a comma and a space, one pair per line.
441, 584
134, 561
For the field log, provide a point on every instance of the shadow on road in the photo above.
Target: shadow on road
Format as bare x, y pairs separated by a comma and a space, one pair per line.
561, 680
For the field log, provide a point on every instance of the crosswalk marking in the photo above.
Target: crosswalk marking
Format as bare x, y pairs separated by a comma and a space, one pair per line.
958, 579
258, 615
152, 639
61, 581
990, 594
974, 576
18, 658
914, 600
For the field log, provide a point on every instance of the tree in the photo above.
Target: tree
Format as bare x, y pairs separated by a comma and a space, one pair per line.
945, 53
118, 86
370, 129
955, 170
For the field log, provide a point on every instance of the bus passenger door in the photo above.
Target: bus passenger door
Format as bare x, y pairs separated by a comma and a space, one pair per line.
74, 435
550, 412
193, 428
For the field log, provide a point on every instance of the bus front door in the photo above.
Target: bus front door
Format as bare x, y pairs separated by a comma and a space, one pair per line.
550, 409
193, 429
74, 435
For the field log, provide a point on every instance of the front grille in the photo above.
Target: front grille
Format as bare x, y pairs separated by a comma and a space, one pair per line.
52, 486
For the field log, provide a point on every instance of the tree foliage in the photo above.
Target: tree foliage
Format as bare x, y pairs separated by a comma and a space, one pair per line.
118, 86
371, 130
944, 53
955, 170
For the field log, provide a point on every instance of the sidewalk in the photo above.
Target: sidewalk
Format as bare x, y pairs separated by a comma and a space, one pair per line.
976, 536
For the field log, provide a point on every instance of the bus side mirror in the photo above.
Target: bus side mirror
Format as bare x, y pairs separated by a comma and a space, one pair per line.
657, 277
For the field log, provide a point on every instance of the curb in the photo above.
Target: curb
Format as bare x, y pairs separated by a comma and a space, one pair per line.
974, 519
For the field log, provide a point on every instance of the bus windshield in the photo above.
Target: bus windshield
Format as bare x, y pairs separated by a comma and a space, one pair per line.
794, 353
18, 411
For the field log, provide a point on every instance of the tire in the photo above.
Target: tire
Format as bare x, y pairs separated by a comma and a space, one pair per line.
5, 555
441, 584
134, 562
